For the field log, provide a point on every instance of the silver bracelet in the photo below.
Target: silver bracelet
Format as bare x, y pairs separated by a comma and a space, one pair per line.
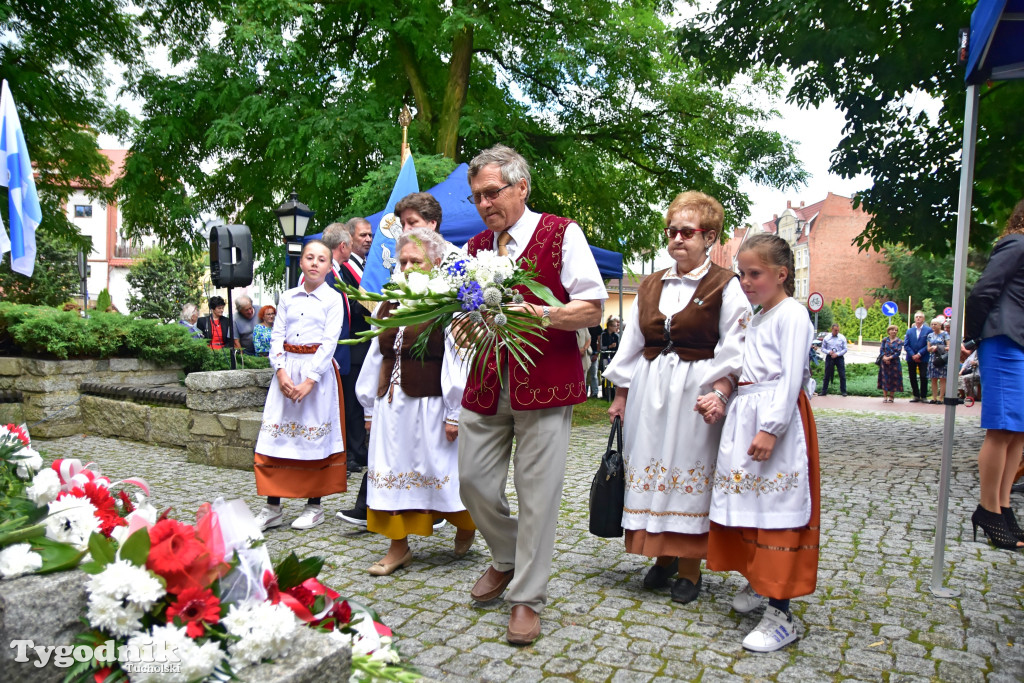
719, 394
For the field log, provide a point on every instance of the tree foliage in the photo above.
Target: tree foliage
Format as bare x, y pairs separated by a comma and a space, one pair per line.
880, 61
302, 94
923, 277
54, 55
54, 281
162, 282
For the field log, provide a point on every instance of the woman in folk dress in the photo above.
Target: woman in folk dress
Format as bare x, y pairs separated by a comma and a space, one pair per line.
413, 406
300, 452
681, 345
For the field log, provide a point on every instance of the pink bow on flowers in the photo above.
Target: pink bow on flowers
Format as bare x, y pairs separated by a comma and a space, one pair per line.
73, 474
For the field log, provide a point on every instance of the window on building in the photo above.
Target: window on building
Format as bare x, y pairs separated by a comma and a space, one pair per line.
83, 210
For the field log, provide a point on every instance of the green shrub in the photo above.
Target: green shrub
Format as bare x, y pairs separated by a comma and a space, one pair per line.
51, 333
103, 301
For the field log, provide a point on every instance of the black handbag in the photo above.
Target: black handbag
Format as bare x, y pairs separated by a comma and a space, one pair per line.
608, 489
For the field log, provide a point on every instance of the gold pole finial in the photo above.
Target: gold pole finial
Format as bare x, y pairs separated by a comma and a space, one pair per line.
404, 119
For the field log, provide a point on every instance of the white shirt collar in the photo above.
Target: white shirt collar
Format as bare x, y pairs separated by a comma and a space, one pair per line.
522, 230
695, 274
318, 293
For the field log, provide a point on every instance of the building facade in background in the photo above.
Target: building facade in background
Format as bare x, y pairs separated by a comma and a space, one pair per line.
826, 259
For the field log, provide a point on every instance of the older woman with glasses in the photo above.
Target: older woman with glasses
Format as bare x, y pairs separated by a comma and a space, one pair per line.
673, 373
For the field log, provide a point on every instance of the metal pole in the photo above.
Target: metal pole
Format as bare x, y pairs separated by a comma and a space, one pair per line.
963, 233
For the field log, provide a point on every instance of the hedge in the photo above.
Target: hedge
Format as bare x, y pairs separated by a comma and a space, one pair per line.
41, 331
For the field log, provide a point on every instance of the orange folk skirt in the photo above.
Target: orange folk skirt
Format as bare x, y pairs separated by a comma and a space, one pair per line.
287, 478
778, 563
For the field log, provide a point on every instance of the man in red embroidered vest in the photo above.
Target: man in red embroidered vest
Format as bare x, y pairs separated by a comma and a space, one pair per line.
535, 404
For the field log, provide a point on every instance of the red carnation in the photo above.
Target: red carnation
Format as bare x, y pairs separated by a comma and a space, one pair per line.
194, 606
19, 433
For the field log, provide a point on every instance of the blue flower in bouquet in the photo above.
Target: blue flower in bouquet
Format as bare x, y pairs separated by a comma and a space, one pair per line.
472, 296
457, 270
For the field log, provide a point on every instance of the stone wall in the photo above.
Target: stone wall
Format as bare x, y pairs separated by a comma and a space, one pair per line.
50, 388
46, 610
167, 426
227, 410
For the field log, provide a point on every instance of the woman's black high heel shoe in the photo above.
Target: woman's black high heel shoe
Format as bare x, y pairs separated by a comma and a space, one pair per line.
1011, 524
994, 525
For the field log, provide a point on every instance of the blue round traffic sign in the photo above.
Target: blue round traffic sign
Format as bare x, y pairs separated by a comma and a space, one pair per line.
889, 309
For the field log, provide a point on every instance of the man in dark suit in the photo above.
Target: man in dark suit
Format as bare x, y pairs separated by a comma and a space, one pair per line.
915, 343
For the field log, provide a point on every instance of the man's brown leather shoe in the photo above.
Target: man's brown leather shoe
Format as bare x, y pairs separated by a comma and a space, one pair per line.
492, 584
523, 625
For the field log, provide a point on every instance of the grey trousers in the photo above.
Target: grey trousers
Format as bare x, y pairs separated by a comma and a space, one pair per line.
525, 543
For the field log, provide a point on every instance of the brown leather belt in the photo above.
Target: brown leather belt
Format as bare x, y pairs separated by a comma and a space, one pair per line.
301, 348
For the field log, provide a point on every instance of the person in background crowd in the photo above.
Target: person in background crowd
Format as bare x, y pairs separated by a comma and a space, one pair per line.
422, 210
968, 381
189, 316
994, 325
261, 333
915, 343
216, 327
583, 341
890, 371
533, 405
300, 450
595, 354
411, 406
362, 240
834, 348
683, 342
609, 347
938, 348
245, 321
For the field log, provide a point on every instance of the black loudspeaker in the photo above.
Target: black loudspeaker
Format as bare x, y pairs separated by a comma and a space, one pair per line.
231, 256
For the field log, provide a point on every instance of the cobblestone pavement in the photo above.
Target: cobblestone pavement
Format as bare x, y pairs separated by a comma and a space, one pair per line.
872, 617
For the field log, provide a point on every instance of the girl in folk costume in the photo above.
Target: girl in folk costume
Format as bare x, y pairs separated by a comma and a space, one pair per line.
765, 507
413, 405
300, 452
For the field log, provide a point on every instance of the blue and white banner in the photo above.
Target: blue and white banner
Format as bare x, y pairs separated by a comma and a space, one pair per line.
382, 256
16, 175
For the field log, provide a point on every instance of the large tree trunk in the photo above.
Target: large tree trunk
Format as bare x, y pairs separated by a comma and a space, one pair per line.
455, 92
424, 111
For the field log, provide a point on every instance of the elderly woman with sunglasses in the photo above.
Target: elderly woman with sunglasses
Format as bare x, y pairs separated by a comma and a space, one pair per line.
674, 375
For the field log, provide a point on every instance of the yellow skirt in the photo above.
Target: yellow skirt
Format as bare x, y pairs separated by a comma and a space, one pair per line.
398, 525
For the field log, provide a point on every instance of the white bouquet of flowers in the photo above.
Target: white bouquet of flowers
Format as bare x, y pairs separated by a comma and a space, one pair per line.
484, 290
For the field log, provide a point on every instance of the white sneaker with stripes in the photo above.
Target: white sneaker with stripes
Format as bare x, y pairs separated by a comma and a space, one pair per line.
776, 630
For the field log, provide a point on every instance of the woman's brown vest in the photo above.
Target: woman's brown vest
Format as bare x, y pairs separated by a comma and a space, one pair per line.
694, 329
421, 377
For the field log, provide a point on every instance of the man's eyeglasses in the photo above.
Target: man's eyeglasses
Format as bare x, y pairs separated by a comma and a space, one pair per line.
686, 233
489, 195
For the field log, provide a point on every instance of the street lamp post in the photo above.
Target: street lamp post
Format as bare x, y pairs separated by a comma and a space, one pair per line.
293, 216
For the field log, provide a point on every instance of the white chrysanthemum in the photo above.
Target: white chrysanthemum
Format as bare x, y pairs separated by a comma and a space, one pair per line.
196, 662
438, 285
17, 560
122, 580
504, 268
264, 630
113, 615
72, 520
483, 274
29, 462
418, 282
44, 488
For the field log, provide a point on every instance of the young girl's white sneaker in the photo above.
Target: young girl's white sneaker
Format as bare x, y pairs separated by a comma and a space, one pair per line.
269, 516
776, 630
747, 600
312, 515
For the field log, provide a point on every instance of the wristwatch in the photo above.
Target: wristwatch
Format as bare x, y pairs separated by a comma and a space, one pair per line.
545, 316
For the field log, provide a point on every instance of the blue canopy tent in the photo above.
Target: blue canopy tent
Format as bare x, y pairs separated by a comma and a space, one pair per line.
994, 51
461, 221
